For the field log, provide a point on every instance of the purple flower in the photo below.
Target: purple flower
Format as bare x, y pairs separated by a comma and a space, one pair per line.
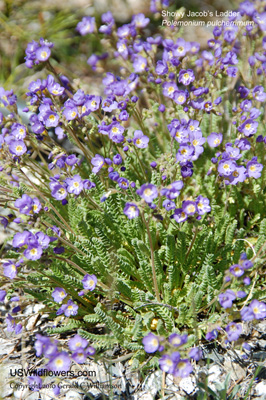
177, 340
36, 205
226, 167
259, 94
255, 310
33, 252
140, 64
180, 97
21, 239
233, 331
249, 127
189, 207
59, 192
77, 342
183, 368
74, 185
185, 152
10, 269
68, 309
18, 131
89, 282
12, 326
236, 270
186, 76
98, 163
140, 140
148, 192
25, 204
59, 294
212, 334
161, 67
61, 362
203, 205
17, 147
239, 175
196, 353
43, 53
254, 169
140, 21
226, 299
167, 364
116, 132
123, 183
169, 89
2, 295
70, 113
179, 215
131, 210
151, 343
86, 25
215, 139
79, 356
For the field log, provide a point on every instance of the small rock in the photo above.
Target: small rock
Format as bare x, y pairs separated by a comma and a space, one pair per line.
260, 388
21, 393
188, 384
6, 347
214, 373
73, 395
153, 383
235, 370
143, 396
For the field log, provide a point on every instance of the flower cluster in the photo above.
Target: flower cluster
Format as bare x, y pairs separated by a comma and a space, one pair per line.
37, 52
59, 361
171, 360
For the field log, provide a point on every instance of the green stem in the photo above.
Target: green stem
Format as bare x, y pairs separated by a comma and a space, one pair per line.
155, 284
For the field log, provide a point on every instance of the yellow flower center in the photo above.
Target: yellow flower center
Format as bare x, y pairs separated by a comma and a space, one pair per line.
73, 114
183, 151
191, 208
114, 129
93, 103
76, 184
61, 191
180, 49
186, 75
217, 141
52, 117
248, 126
33, 251
59, 362
252, 168
19, 148
181, 365
138, 141
43, 54
180, 98
147, 192
171, 89
226, 166
195, 142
